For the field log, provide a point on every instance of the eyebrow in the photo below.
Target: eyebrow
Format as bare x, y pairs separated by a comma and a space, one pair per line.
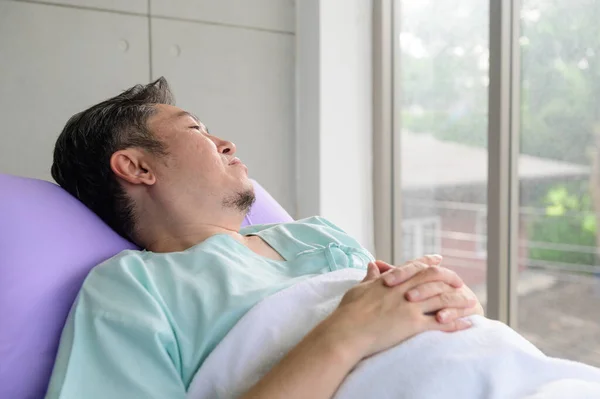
185, 113
194, 117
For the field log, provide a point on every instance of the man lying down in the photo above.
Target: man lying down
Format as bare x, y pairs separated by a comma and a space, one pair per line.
210, 310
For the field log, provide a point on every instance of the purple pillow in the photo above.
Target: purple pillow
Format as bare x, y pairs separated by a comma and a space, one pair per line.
48, 243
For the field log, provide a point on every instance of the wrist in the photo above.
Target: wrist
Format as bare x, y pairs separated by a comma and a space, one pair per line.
314, 368
341, 339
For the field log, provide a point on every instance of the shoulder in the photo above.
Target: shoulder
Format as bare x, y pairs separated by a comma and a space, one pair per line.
142, 281
126, 268
313, 222
115, 324
321, 229
320, 222
122, 288
312, 230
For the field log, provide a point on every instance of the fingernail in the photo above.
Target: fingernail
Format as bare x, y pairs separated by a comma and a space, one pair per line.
413, 294
389, 278
443, 315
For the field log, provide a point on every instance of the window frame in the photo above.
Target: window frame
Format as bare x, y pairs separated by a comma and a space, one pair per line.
503, 148
419, 240
481, 234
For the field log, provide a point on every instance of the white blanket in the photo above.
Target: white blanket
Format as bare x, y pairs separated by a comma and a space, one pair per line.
489, 360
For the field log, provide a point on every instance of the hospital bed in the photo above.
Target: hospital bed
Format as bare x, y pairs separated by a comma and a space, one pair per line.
49, 241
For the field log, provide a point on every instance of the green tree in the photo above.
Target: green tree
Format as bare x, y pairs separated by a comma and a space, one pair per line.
444, 81
567, 220
443, 62
444, 73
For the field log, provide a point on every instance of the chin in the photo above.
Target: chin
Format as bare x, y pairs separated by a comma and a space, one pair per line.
243, 199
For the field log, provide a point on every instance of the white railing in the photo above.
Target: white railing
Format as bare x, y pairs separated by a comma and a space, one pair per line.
474, 259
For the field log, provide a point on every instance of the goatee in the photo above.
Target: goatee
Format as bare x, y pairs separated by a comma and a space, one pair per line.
241, 201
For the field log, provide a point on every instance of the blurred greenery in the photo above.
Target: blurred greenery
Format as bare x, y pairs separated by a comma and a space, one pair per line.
444, 74
567, 220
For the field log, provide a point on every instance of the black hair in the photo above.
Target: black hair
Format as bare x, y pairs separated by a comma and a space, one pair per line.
83, 150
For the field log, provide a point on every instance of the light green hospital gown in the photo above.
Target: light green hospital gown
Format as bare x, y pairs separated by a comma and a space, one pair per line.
144, 322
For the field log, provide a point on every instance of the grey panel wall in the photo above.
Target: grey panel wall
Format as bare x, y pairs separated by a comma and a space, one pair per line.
241, 86
229, 61
132, 6
277, 15
54, 61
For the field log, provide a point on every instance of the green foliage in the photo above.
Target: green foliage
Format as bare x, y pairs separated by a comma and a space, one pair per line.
569, 219
443, 73
444, 93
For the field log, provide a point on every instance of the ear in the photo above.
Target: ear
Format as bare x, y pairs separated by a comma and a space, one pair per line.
130, 165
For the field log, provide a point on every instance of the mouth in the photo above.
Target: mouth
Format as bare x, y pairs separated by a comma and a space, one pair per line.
235, 161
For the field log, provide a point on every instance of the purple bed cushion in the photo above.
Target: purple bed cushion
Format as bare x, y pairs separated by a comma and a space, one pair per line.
48, 243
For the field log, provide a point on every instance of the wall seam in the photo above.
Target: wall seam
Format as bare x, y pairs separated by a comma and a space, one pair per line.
86, 8
148, 14
224, 24
150, 71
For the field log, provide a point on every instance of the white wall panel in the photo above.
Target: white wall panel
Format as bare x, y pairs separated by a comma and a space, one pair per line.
346, 119
266, 14
240, 83
54, 62
335, 113
133, 6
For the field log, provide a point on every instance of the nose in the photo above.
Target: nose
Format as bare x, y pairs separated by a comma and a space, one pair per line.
225, 147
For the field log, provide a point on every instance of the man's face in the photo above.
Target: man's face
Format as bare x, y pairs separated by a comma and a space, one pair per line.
198, 164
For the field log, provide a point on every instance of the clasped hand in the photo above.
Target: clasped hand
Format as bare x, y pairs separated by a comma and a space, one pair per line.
393, 304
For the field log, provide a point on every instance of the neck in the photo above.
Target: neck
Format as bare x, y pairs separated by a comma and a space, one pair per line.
172, 224
185, 237
173, 234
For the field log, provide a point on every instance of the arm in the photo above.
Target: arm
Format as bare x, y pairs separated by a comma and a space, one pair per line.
313, 369
370, 318
104, 356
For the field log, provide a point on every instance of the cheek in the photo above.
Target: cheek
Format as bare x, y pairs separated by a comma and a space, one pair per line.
203, 155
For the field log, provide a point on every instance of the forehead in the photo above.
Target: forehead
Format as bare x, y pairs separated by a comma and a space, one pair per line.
172, 116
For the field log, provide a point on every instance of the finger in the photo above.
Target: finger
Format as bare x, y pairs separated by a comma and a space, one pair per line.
384, 266
449, 315
428, 290
456, 299
456, 325
431, 324
436, 273
372, 272
401, 274
430, 260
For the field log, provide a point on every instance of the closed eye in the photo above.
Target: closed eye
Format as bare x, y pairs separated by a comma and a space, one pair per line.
200, 129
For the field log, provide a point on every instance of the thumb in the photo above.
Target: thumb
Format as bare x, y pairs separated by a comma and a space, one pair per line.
431, 260
383, 266
372, 272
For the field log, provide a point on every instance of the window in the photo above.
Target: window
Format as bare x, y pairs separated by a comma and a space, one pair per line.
421, 237
559, 207
481, 234
440, 121
442, 50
